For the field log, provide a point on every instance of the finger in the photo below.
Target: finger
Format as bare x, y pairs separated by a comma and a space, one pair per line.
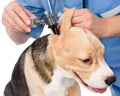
15, 29
83, 25
22, 14
80, 25
79, 12
10, 24
17, 20
78, 19
77, 25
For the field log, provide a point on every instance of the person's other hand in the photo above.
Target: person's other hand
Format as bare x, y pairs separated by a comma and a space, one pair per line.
86, 19
16, 18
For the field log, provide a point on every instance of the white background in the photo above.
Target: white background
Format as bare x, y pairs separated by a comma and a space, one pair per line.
9, 53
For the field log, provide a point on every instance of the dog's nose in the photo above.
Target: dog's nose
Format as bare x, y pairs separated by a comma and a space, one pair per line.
110, 80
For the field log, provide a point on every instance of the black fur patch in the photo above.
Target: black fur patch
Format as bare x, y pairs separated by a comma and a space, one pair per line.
17, 86
40, 58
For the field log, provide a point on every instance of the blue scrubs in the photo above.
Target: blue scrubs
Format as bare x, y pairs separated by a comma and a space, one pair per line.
102, 8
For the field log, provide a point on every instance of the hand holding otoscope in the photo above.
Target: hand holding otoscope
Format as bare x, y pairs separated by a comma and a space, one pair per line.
49, 20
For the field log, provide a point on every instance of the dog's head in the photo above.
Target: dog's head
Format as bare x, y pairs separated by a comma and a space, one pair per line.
80, 53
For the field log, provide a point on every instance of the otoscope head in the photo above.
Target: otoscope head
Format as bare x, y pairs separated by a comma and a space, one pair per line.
49, 20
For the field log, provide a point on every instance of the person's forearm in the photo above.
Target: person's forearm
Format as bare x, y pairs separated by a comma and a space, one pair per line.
18, 37
112, 26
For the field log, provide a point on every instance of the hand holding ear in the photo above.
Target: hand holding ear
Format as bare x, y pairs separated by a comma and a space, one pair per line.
86, 19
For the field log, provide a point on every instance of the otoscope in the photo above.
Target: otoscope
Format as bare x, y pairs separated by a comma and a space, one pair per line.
49, 20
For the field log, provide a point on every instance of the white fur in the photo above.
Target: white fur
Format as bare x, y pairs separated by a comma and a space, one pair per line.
61, 81
97, 78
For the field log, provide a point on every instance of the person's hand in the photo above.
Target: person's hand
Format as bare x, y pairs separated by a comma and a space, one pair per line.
86, 19
16, 18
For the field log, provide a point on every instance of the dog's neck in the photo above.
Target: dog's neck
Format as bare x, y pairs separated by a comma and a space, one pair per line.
61, 81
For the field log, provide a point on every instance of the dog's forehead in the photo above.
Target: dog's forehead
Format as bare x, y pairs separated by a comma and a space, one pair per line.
79, 40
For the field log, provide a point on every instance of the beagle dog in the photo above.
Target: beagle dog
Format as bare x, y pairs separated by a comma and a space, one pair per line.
55, 65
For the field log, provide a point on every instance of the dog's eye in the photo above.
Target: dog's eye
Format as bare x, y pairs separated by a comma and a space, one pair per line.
87, 61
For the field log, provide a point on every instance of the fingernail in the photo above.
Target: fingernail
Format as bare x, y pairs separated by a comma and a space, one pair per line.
28, 29
27, 22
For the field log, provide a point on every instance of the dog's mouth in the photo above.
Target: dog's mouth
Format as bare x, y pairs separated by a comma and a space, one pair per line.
98, 90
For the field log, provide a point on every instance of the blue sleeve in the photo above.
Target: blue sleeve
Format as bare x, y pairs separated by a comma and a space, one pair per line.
35, 7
